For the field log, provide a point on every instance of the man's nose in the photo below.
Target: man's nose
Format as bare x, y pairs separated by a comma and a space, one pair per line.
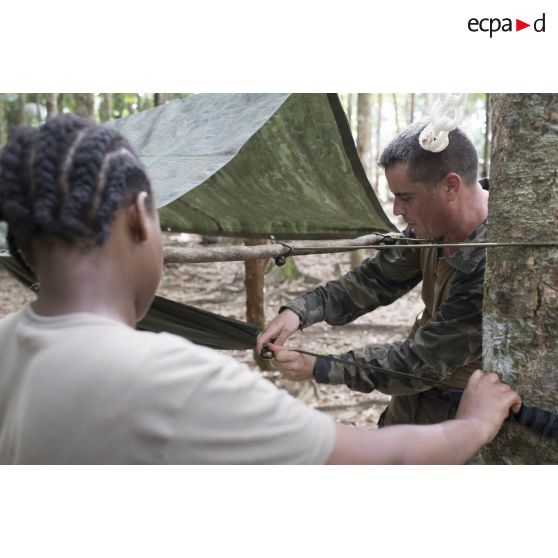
397, 208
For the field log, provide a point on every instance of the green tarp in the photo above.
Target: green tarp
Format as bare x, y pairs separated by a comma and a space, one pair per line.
256, 165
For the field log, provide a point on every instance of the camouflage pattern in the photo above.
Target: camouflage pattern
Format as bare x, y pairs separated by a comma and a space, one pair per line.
445, 343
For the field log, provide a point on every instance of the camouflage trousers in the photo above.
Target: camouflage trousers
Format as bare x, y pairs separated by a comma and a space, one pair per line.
425, 407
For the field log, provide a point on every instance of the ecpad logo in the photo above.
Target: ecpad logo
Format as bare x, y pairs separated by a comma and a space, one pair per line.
494, 24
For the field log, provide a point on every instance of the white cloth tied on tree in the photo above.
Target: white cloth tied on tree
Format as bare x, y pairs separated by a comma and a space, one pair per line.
447, 114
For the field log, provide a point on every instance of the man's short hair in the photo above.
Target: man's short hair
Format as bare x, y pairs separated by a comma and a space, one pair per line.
460, 156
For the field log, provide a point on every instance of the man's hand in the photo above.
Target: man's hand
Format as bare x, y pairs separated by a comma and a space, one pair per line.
487, 402
278, 330
293, 365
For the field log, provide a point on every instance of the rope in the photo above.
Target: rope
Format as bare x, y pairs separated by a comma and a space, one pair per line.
540, 421
447, 114
292, 250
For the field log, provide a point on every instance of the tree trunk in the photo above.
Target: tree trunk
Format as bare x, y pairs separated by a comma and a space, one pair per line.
51, 105
486, 151
254, 271
520, 313
411, 109
364, 148
3, 137
60, 103
351, 109
378, 146
105, 110
21, 100
85, 104
396, 110
160, 99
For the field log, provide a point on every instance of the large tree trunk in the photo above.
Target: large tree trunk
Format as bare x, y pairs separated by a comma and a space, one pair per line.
85, 104
520, 314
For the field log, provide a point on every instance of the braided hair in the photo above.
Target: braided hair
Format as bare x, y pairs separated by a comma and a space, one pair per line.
65, 180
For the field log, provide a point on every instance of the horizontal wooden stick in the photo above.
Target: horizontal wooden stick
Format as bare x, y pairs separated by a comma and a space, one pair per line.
237, 253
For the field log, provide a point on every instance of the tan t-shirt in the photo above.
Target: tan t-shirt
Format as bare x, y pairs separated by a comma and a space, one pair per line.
82, 388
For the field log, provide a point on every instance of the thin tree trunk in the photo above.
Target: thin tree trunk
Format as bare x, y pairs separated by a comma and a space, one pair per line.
38, 107
364, 148
85, 104
396, 110
412, 109
486, 150
255, 303
351, 109
21, 101
378, 145
520, 313
3, 137
60, 103
51, 105
160, 99
105, 110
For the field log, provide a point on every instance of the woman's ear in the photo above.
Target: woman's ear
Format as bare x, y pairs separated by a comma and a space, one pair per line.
139, 216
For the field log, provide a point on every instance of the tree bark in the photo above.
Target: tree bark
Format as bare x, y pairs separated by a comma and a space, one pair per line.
396, 110
486, 150
520, 313
254, 275
351, 109
364, 148
378, 146
85, 104
3, 134
160, 99
21, 101
105, 110
51, 105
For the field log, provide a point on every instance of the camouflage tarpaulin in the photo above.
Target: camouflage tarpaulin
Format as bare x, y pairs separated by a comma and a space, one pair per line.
256, 165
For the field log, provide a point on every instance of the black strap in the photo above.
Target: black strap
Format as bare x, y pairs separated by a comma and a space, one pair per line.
537, 420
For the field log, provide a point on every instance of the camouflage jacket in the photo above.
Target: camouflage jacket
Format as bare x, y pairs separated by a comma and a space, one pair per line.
445, 342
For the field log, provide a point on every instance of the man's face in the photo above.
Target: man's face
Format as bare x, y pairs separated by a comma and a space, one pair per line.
423, 209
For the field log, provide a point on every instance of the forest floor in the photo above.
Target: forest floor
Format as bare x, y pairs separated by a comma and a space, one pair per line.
219, 288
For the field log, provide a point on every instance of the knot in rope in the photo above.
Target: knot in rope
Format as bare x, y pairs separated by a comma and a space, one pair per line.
447, 114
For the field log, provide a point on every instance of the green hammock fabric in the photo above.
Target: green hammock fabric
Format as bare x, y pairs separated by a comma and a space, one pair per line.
255, 165
199, 326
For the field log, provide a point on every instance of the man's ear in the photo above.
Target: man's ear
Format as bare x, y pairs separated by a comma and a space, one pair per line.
138, 217
452, 185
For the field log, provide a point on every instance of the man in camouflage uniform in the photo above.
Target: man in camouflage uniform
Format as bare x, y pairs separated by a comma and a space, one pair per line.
440, 198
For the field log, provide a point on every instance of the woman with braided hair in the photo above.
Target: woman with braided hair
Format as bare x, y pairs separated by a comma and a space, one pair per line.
78, 384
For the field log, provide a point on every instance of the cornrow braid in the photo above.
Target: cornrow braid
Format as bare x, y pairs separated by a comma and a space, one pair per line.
54, 144
83, 178
65, 180
15, 186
